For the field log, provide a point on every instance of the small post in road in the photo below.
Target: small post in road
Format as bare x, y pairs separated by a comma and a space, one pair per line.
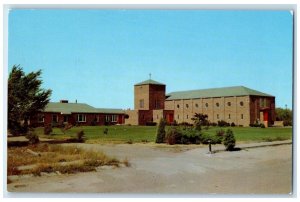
209, 146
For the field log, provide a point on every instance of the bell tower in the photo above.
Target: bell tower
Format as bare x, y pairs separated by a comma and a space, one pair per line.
149, 95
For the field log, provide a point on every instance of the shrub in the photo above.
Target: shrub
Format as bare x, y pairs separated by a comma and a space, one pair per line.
223, 123
32, 137
220, 133
174, 123
287, 123
105, 131
47, 129
232, 124
262, 125
173, 136
161, 133
151, 123
80, 136
185, 124
229, 140
213, 124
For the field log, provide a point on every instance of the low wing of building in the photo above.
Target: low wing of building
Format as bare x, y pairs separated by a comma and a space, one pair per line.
63, 112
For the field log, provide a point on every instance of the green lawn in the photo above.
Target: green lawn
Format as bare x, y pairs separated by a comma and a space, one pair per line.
135, 134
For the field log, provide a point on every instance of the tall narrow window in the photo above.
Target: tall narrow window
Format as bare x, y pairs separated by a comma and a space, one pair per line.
107, 118
242, 116
178, 116
66, 118
228, 116
54, 118
187, 116
40, 118
114, 118
142, 103
217, 116
187, 105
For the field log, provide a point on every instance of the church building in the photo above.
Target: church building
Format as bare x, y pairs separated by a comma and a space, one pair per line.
239, 105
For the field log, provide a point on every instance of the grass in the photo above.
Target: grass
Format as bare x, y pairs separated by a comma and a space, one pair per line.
65, 159
145, 134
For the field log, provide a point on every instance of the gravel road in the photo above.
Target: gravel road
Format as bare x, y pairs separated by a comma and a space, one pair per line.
176, 170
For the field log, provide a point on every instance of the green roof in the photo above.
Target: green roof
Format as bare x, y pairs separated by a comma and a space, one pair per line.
68, 108
149, 81
215, 92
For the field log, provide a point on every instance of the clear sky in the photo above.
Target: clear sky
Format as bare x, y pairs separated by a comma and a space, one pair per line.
96, 56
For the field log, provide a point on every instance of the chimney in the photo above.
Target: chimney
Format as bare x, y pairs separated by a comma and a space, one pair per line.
64, 101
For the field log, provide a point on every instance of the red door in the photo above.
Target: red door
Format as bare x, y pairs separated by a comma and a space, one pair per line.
266, 116
170, 118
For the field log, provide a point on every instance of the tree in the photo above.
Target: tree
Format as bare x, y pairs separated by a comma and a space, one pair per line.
229, 140
25, 98
161, 133
200, 120
285, 115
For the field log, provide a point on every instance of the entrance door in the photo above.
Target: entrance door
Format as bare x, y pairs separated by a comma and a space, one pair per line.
266, 115
170, 118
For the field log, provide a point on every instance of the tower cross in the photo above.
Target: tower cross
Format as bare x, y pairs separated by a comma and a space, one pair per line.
150, 75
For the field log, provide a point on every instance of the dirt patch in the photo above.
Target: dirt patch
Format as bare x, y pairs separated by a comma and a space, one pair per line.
264, 170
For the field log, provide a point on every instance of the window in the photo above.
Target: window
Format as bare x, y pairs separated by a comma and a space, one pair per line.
242, 103
142, 103
242, 116
107, 118
81, 118
156, 104
41, 118
156, 116
178, 106
114, 118
186, 105
228, 116
228, 104
217, 116
217, 104
97, 118
178, 116
66, 118
187, 116
54, 118
206, 104
196, 105
263, 102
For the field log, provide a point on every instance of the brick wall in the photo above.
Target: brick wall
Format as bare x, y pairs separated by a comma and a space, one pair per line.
217, 109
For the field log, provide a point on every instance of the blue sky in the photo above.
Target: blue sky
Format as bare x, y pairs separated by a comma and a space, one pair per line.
96, 56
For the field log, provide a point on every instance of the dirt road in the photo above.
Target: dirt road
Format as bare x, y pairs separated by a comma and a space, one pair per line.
176, 170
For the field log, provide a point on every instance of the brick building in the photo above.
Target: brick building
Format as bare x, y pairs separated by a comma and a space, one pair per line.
77, 114
239, 105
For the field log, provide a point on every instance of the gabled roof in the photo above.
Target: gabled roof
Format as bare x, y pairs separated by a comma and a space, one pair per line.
149, 81
215, 92
68, 108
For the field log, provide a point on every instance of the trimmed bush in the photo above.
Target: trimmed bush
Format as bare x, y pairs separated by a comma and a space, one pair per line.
173, 136
105, 131
229, 140
48, 129
80, 136
161, 133
223, 123
32, 137
150, 123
